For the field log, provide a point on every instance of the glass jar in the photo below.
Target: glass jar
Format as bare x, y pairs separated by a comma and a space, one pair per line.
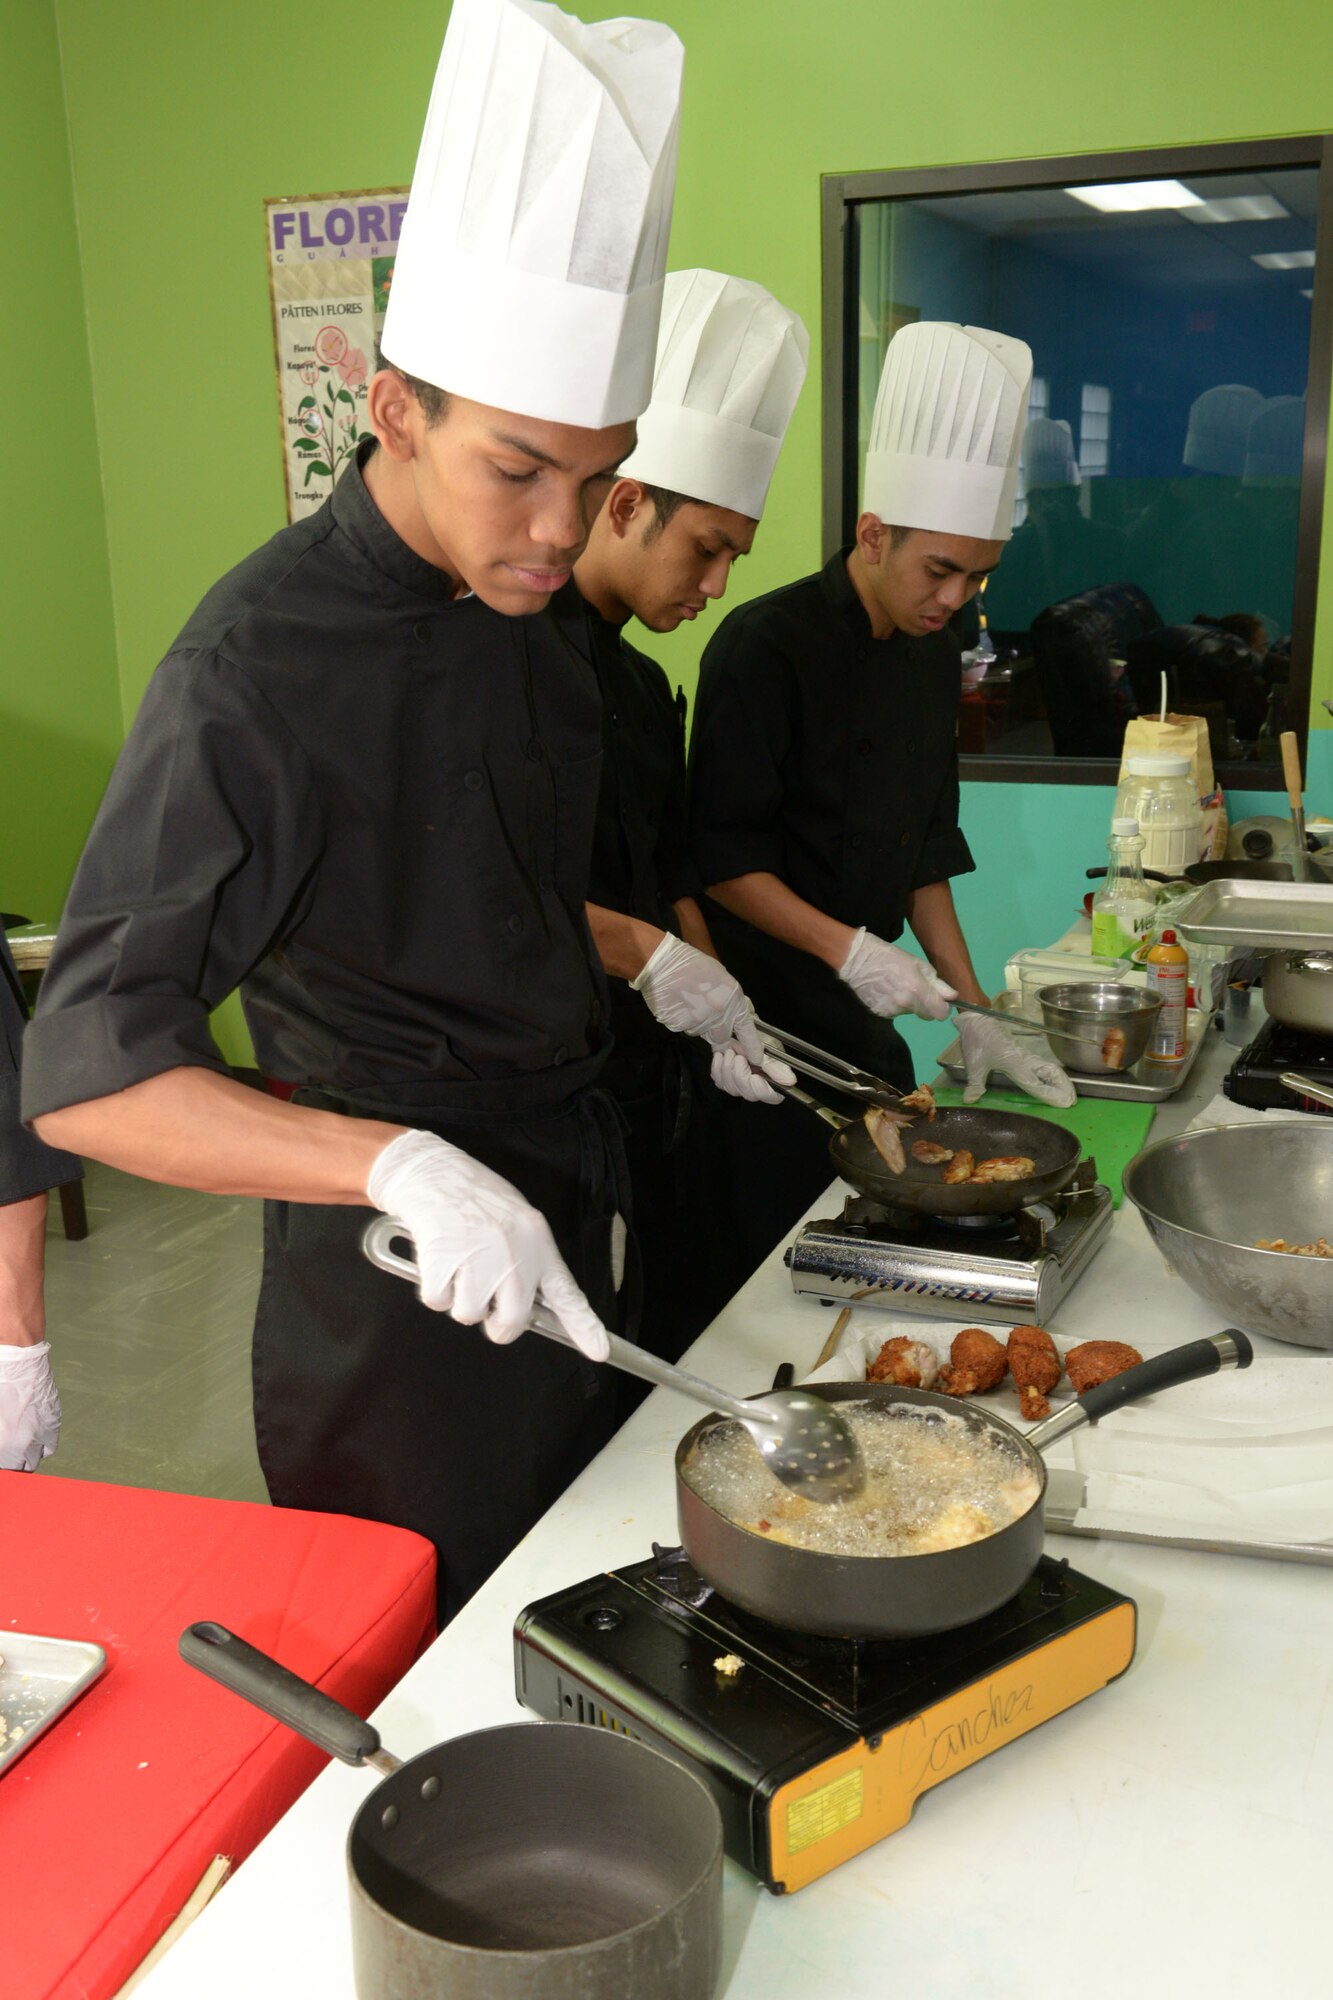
1158, 791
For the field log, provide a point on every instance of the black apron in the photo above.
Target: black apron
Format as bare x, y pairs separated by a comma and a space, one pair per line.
778, 1158
368, 1403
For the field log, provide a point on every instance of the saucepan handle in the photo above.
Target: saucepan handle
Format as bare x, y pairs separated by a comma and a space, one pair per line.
1231, 1349
258, 1679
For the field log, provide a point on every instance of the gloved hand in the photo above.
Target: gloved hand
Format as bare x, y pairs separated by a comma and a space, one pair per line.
888, 980
693, 994
988, 1044
484, 1252
29, 1407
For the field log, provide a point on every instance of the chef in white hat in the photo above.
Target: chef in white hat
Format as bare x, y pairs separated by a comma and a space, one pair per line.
686, 506
1058, 552
362, 786
823, 763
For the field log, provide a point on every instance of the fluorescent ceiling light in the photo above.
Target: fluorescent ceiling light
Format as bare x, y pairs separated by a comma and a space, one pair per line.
1120, 197
1284, 260
1240, 208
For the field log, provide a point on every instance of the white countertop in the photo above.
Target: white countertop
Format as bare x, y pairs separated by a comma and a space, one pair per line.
1171, 1835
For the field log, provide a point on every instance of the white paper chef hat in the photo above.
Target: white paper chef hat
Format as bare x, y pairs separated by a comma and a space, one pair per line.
1048, 453
1219, 425
530, 262
1276, 441
730, 364
947, 429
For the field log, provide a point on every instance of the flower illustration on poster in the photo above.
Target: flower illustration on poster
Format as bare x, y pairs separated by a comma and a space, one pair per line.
331, 260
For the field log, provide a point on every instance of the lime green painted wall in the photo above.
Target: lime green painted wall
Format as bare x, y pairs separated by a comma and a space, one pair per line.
60, 718
183, 119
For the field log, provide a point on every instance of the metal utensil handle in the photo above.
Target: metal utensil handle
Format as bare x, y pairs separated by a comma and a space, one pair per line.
826, 1068
1231, 1349
1305, 1086
377, 1239
267, 1684
1291, 771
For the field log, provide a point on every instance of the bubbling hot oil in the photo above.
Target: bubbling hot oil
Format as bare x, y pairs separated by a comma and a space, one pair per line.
933, 1482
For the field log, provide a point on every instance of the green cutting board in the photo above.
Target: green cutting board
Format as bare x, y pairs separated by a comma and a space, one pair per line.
1110, 1129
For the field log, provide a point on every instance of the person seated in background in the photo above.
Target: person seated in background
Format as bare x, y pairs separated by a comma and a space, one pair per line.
1056, 552
29, 1405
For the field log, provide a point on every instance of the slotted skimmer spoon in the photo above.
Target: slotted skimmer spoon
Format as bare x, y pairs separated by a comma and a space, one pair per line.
804, 1440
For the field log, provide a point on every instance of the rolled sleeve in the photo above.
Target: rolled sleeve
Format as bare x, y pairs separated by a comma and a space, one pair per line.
27, 1167
742, 736
208, 833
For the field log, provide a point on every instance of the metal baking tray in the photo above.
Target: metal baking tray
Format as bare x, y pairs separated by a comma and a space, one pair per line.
1277, 916
38, 1681
1146, 1083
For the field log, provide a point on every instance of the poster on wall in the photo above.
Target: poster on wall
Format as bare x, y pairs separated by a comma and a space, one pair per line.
330, 266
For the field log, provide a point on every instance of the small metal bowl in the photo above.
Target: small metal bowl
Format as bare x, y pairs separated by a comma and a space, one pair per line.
1080, 1020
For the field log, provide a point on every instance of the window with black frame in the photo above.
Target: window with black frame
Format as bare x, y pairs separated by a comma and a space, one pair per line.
1159, 510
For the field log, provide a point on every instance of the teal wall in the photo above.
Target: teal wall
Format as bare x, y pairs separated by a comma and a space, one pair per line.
182, 119
60, 716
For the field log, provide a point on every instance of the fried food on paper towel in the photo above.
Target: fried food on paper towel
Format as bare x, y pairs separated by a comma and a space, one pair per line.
1034, 1363
977, 1362
1096, 1361
911, 1364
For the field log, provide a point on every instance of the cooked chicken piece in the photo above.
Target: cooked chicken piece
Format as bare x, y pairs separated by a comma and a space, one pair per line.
921, 1099
1034, 1363
1004, 1167
1113, 1048
977, 1362
885, 1132
1321, 1247
929, 1154
1097, 1361
909, 1363
953, 1529
959, 1168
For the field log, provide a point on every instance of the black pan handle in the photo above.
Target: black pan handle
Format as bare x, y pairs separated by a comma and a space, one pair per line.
1231, 1349
279, 1692
1149, 874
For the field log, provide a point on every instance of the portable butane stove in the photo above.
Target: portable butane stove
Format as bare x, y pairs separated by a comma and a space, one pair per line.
1014, 1269
1254, 1077
813, 1748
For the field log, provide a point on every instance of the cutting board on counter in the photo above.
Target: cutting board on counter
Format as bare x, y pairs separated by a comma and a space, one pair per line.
1112, 1131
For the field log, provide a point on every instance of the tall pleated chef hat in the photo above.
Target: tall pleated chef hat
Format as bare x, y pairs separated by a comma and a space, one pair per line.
1219, 426
1276, 442
1048, 453
730, 364
947, 430
531, 258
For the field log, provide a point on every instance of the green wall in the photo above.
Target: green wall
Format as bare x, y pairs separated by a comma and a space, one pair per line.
182, 120
60, 716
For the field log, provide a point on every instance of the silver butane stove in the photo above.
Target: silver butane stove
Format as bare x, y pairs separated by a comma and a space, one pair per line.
1010, 1269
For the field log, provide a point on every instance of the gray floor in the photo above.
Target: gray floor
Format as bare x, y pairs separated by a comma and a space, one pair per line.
149, 1321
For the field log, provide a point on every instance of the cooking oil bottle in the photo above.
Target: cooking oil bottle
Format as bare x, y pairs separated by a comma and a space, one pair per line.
1169, 976
1122, 910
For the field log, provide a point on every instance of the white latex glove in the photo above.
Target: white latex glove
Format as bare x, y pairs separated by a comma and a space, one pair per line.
988, 1045
485, 1254
693, 994
890, 981
29, 1407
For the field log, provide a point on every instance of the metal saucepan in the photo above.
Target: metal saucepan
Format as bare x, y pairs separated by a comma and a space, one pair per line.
1199, 872
542, 1861
1054, 1153
1298, 989
899, 1597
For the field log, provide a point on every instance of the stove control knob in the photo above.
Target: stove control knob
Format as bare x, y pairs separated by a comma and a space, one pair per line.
604, 1618
1053, 1582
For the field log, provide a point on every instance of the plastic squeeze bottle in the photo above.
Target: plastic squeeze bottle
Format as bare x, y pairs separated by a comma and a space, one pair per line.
1122, 909
1169, 975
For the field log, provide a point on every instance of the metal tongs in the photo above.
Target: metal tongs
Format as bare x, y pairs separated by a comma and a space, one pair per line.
830, 1070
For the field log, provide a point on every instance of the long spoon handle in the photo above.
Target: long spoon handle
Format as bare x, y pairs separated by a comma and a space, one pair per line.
377, 1243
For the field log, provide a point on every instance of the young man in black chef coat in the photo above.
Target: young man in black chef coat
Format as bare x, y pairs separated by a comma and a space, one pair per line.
823, 764
730, 363
362, 786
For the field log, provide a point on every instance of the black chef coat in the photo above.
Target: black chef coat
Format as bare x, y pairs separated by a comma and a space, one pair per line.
641, 866
827, 757
372, 805
27, 1167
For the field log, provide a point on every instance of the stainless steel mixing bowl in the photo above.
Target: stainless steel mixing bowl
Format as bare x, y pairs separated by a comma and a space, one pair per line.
1079, 1018
1208, 1196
